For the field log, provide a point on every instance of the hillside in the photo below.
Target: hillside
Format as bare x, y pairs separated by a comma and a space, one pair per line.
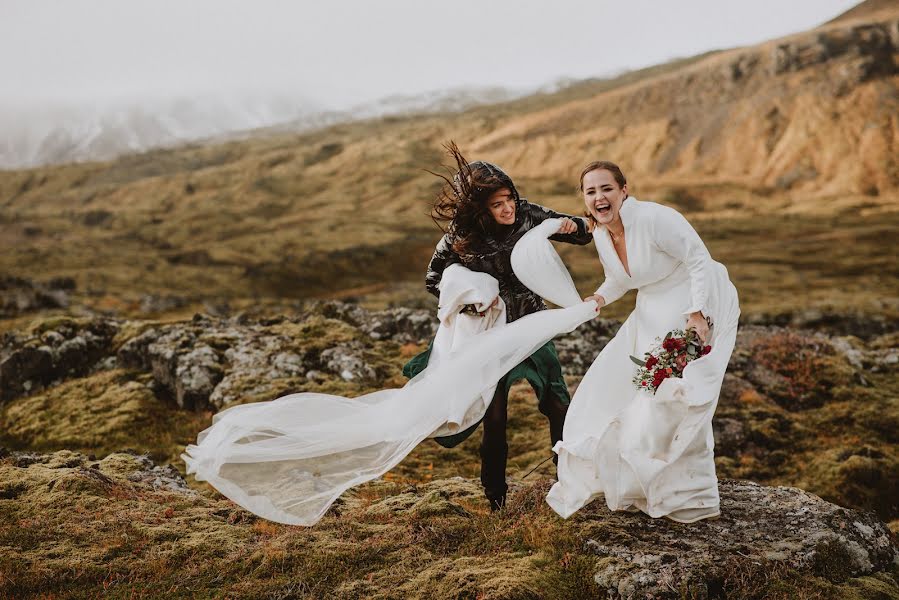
789, 147
866, 10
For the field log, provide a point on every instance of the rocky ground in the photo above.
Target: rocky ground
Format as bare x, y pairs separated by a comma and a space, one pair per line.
811, 408
76, 526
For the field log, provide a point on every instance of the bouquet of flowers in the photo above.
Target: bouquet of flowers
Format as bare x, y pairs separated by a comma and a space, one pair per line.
668, 359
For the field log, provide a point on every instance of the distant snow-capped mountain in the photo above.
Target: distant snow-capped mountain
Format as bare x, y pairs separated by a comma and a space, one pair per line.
43, 135
36, 136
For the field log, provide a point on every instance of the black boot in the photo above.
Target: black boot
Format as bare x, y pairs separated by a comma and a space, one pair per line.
496, 503
493, 473
494, 450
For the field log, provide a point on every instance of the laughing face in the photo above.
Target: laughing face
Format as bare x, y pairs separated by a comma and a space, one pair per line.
603, 196
501, 205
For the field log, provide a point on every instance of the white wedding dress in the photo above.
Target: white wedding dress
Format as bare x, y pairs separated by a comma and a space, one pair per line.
289, 459
654, 453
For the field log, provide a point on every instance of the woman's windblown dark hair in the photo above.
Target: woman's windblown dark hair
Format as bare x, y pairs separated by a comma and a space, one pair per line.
460, 208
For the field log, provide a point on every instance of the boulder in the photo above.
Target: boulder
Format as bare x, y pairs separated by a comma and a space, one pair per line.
760, 529
182, 365
19, 295
52, 350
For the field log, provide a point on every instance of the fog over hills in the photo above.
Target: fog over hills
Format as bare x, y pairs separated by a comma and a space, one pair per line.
44, 135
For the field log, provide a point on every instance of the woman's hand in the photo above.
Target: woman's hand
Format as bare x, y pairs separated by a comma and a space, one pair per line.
697, 322
567, 226
489, 308
471, 309
600, 301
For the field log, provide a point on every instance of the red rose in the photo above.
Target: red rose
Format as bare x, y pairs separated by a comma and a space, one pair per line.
651, 362
706, 350
674, 344
658, 377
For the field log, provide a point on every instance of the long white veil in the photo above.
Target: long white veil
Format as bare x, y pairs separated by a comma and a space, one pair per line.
288, 459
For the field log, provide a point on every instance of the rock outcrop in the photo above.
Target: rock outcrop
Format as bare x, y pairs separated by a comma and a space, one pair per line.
55, 350
760, 528
19, 295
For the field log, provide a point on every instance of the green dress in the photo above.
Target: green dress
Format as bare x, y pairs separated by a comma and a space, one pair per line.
541, 369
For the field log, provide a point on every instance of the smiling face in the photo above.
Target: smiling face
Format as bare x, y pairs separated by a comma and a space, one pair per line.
603, 196
501, 205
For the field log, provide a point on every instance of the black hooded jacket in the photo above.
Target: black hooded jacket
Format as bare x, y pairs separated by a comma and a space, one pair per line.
494, 256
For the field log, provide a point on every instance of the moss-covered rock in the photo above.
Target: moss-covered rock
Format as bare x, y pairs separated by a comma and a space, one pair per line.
98, 414
50, 350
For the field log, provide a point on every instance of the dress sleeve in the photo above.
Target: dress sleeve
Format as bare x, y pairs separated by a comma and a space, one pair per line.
444, 256
538, 214
676, 237
611, 289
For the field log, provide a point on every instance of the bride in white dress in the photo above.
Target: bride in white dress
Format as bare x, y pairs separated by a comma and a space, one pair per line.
654, 453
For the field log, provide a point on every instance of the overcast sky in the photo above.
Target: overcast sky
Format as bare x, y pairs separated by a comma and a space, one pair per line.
340, 52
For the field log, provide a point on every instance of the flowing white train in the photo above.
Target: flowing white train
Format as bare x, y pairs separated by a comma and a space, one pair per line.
289, 459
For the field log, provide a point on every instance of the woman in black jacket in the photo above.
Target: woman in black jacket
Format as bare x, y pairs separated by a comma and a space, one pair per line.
485, 217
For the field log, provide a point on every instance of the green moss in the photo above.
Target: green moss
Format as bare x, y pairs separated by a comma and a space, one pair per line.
811, 370
569, 576
98, 414
737, 577
860, 477
316, 333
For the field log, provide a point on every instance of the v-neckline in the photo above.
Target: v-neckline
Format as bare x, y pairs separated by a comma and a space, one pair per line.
627, 253
624, 267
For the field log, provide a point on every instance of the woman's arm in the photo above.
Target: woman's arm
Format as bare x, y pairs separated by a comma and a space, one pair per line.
676, 237
610, 290
444, 256
538, 214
